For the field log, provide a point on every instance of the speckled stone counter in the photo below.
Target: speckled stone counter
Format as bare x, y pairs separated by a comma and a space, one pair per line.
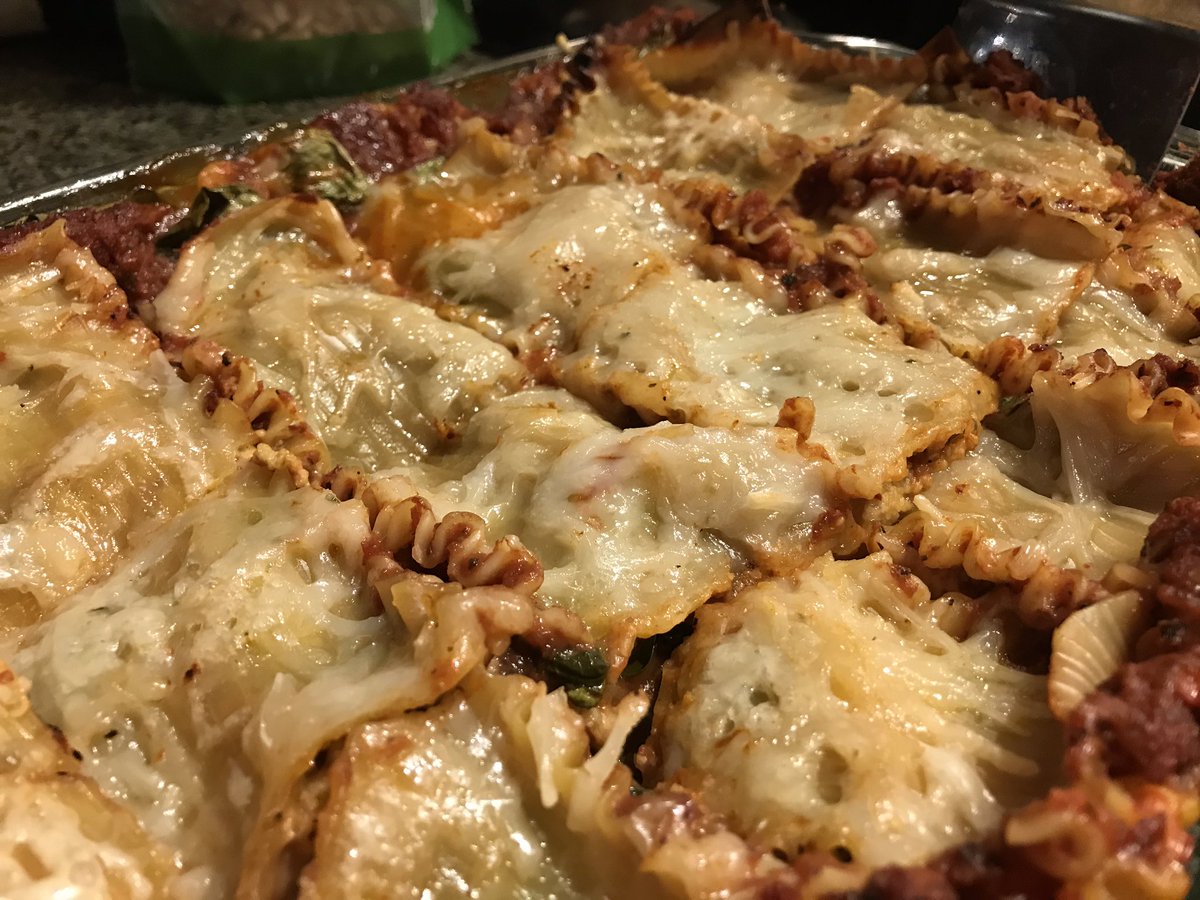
67, 111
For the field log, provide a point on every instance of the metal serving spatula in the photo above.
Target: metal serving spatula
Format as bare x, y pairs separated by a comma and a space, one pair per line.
1138, 74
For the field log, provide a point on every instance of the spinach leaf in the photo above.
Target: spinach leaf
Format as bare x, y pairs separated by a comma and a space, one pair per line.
581, 671
585, 697
578, 667
320, 166
208, 206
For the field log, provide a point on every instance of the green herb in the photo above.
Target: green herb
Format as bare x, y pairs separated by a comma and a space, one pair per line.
578, 667
427, 170
320, 166
210, 204
581, 671
585, 696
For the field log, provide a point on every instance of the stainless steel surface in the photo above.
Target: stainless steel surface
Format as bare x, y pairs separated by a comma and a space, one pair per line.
1183, 149
1138, 74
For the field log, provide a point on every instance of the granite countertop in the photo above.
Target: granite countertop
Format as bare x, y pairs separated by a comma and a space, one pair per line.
67, 111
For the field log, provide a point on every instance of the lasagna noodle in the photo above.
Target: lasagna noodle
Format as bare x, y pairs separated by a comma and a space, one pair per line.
610, 281
954, 281
966, 300
958, 205
877, 402
486, 180
454, 632
199, 680
634, 528
632, 120
456, 799
824, 711
1061, 167
976, 517
494, 793
579, 248
1109, 319
1125, 435
759, 70
59, 835
379, 377
1158, 265
103, 441
157, 674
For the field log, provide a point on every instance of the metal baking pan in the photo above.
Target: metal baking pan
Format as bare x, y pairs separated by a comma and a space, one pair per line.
482, 87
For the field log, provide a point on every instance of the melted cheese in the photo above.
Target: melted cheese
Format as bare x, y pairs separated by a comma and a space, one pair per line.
1108, 318
102, 441
828, 113
687, 139
383, 380
883, 218
1011, 522
425, 806
823, 712
201, 638
492, 793
638, 526
967, 301
1116, 443
601, 269
159, 675
477, 187
582, 248
1026, 151
1174, 250
698, 351
59, 836
1158, 263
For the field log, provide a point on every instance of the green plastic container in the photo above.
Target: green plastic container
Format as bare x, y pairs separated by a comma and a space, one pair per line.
281, 55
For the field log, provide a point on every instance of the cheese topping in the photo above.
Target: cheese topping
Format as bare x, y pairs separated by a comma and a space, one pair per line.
638, 526
968, 301
59, 836
689, 138
592, 268
822, 711
102, 441
274, 692
157, 674
1107, 318
428, 805
699, 352
1027, 151
829, 113
973, 496
381, 379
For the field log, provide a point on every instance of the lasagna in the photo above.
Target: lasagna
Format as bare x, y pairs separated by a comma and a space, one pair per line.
728, 468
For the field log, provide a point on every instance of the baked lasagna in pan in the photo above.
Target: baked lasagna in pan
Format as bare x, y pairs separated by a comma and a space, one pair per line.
732, 469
